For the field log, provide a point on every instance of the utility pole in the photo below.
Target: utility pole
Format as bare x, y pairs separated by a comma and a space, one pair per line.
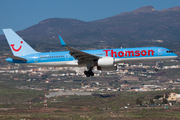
30, 104
45, 101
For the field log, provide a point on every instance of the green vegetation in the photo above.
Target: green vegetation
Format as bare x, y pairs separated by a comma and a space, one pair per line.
169, 73
19, 83
11, 97
98, 106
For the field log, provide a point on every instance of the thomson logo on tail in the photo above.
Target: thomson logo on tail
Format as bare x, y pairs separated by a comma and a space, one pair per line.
16, 50
18, 46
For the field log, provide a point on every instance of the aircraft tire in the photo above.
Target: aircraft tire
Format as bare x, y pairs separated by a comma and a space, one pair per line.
87, 75
85, 72
92, 74
156, 69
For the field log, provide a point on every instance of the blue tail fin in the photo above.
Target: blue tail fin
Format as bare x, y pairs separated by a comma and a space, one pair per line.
18, 46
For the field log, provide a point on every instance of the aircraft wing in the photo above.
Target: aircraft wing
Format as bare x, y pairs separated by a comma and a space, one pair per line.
78, 54
15, 57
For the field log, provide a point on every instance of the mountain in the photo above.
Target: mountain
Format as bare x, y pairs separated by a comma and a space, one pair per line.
53, 27
143, 23
141, 27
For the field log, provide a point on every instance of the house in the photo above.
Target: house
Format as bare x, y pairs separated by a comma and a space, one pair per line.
136, 89
125, 86
177, 82
174, 97
171, 81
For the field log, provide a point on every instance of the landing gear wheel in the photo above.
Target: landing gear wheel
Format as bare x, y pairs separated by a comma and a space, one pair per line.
156, 69
88, 73
92, 74
85, 72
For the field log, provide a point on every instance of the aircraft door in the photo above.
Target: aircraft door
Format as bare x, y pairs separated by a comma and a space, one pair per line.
66, 57
159, 52
125, 55
36, 58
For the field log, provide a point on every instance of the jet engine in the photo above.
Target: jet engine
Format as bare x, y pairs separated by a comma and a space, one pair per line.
106, 64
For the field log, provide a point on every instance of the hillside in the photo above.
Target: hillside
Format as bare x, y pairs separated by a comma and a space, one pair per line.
141, 27
13, 95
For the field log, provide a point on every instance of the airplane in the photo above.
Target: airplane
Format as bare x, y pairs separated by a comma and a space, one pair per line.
104, 59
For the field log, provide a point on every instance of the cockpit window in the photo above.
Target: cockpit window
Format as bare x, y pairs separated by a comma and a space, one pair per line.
169, 51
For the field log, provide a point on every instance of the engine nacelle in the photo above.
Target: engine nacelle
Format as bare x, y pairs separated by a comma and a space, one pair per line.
106, 64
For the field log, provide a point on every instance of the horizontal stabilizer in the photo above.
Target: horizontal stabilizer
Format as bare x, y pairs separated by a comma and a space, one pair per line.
15, 57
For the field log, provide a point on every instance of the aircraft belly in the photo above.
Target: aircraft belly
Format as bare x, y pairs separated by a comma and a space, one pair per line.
57, 64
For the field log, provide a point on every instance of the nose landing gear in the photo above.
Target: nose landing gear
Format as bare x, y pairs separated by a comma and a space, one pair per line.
158, 65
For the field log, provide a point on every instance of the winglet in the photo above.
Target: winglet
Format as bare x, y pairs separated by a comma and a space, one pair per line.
62, 41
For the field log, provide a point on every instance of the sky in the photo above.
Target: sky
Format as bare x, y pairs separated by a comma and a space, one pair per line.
21, 14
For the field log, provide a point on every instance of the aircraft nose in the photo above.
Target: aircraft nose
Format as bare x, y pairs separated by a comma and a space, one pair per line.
176, 56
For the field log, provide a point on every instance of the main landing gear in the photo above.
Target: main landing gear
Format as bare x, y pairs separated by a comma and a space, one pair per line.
88, 73
90, 66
